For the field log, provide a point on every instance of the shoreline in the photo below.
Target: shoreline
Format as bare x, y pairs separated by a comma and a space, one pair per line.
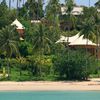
92, 85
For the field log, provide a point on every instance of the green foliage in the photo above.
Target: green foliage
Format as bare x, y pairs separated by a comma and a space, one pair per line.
25, 48
8, 40
41, 65
38, 56
41, 41
69, 5
73, 65
52, 12
97, 4
89, 12
35, 9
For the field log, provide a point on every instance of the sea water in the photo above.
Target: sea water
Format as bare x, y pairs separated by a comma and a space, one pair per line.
50, 95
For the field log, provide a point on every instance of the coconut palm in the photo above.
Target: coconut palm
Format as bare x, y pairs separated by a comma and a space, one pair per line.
97, 4
8, 43
35, 8
70, 18
87, 30
9, 4
41, 41
97, 28
89, 3
17, 5
52, 12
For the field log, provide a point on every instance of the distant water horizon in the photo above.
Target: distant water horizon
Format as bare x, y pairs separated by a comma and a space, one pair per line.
50, 95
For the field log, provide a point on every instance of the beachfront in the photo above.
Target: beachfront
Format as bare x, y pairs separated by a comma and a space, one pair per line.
92, 85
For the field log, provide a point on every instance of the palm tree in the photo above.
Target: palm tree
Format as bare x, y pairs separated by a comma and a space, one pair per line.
17, 5
41, 42
87, 30
52, 12
9, 4
35, 8
89, 3
97, 4
97, 28
23, 2
8, 43
70, 17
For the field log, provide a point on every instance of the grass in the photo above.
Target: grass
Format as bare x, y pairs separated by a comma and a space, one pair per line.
27, 76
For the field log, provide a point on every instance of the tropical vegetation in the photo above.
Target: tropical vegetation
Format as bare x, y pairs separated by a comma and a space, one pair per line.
38, 56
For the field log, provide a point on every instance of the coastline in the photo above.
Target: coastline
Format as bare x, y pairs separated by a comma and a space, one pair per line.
93, 85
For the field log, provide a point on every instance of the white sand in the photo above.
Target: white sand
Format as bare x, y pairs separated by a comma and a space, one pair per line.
94, 84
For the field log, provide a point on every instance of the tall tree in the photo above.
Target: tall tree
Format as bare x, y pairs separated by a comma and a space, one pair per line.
17, 6
97, 33
3, 14
35, 8
70, 18
97, 4
52, 12
41, 42
8, 43
87, 30
9, 4
89, 3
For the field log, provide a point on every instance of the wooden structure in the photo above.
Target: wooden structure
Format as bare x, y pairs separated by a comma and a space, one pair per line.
20, 28
78, 41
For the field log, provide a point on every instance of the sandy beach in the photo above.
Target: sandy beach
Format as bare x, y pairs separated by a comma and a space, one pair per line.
94, 84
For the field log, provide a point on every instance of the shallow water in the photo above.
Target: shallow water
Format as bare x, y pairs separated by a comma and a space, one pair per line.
51, 95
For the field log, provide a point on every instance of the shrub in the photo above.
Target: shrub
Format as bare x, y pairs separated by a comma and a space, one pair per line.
74, 65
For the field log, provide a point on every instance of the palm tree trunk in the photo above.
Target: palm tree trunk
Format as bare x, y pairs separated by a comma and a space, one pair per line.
17, 7
68, 76
86, 59
23, 2
8, 68
89, 3
20, 72
97, 49
9, 4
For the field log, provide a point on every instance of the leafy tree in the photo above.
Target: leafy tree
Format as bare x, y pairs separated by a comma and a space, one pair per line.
87, 30
3, 14
74, 67
8, 42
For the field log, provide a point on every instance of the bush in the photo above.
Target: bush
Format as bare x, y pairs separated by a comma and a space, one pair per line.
40, 65
74, 65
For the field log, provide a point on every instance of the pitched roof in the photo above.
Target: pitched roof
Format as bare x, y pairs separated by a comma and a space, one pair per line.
75, 40
82, 41
18, 24
77, 10
68, 39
